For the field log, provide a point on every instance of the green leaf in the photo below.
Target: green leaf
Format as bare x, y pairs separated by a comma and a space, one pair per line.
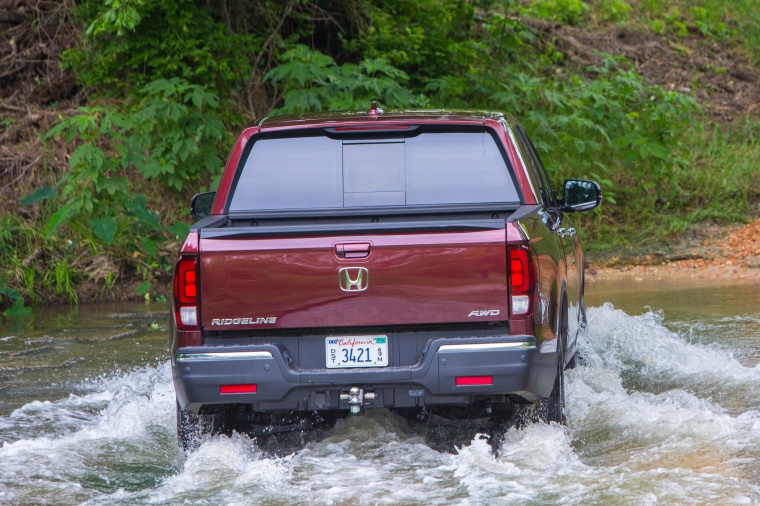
142, 213
44, 193
104, 228
18, 308
658, 150
178, 228
143, 288
112, 185
149, 246
58, 217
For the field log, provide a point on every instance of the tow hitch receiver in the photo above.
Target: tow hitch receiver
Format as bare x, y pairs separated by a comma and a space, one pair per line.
355, 398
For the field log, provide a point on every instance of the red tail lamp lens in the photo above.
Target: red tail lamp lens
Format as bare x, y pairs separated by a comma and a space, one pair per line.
190, 288
519, 270
474, 380
237, 389
187, 281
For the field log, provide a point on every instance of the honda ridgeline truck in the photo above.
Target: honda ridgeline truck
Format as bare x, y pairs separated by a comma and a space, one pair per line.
411, 260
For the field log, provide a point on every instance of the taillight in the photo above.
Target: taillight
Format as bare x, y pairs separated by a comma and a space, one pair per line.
237, 389
521, 280
519, 270
186, 293
473, 380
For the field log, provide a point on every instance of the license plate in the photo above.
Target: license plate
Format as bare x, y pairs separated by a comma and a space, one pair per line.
356, 351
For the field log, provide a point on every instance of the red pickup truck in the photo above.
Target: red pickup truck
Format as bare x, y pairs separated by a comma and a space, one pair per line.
412, 260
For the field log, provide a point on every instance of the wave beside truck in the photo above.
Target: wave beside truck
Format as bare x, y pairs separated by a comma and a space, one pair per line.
414, 260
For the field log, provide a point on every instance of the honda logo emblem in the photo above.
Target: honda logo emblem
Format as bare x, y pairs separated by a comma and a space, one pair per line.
353, 279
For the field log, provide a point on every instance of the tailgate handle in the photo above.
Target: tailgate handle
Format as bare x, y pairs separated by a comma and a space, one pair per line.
353, 250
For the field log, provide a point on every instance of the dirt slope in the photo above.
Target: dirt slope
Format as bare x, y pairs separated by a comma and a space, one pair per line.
717, 76
735, 256
34, 90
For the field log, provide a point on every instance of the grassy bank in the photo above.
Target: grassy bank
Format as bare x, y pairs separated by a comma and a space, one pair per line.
719, 185
138, 104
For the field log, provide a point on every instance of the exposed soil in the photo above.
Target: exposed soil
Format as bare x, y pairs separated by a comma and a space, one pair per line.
34, 92
734, 255
717, 76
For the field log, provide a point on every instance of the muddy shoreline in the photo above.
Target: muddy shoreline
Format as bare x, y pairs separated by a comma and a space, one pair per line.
709, 253
698, 271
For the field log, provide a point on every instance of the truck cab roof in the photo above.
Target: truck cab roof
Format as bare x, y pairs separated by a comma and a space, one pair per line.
377, 115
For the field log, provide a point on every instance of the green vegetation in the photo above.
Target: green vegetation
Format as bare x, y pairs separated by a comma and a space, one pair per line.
170, 83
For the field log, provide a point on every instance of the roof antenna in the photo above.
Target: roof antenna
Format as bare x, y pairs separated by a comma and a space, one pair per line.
374, 111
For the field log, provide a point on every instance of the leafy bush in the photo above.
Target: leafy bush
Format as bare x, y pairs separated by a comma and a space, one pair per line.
737, 20
174, 133
312, 81
171, 137
130, 44
570, 12
427, 38
15, 308
614, 10
597, 125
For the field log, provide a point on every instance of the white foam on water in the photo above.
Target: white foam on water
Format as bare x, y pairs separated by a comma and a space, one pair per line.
648, 423
642, 344
95, 436
225, 471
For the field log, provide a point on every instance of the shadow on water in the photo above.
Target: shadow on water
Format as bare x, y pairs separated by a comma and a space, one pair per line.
442, 429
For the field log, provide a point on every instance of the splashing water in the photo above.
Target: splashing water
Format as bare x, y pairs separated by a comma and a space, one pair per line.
653, 417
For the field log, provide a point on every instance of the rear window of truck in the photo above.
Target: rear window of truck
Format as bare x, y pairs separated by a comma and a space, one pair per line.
321, 172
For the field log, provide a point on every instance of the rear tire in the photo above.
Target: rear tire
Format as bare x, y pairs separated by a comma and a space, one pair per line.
546, 410
188, 429
552, 408
555, 403
191, 427
577, 358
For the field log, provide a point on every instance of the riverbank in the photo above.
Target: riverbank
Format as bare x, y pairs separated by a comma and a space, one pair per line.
716, 254
697, 270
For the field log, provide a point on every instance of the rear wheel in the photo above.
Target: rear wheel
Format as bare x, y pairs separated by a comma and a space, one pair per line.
187, 429
577, 358
191, 427
555, 403
552, 408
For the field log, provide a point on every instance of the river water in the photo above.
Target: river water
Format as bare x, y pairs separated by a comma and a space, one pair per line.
666, 410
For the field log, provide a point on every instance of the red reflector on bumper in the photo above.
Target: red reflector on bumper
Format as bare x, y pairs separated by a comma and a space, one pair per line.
474, 380
237, 389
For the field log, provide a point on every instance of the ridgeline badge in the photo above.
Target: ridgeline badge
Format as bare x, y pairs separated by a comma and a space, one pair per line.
244, 321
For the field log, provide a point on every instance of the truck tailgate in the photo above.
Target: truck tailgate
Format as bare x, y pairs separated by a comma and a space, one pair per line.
252, 280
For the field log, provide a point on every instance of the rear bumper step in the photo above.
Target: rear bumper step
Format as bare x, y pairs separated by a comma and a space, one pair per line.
449, 372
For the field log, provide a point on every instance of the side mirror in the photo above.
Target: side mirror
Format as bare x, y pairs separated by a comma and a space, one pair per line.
200, 207
581, 195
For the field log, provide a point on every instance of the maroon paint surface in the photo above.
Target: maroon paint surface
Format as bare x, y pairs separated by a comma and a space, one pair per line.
416, 278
